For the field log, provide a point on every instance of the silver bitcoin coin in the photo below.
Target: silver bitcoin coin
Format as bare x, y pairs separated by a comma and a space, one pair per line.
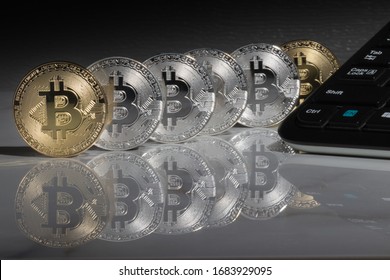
137, 197
190, 187
273, 84
269, 193
190, 99
230, 88
61, 203
135, 102
231, 178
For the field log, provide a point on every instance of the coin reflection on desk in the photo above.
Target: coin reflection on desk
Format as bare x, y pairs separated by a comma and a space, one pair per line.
60, 203
269, 193
353, 189
231, 178
190, 187
137, 195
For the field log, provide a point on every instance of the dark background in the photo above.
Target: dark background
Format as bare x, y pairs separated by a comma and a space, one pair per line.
36, 34
83, 35
30, 37
71, 32
80, 34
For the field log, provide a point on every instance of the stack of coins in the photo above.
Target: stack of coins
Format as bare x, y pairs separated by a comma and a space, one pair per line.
117, 103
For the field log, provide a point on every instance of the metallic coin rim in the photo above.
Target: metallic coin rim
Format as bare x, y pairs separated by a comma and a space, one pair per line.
227, 59
319, 49
314, 46
201, 223
293, 69
255, 213
157, 215
128, 62
208, 86
297, 203
265, 131
235, 211
20, 193
152, 82
36, 72
269, 48
272, 211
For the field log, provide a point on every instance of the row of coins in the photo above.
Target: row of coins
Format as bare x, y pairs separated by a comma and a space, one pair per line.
118, 103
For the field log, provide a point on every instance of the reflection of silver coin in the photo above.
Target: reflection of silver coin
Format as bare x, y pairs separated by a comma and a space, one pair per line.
231, 178
190, 99
273, 84
230, 88
134, 98
137, 198
61, 203
269, 193
190, 193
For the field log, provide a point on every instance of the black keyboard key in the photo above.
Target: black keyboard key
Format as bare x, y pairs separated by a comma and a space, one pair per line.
315, 115
350, 117
379, 121
377, 56
368, 74
384, 42
347, 94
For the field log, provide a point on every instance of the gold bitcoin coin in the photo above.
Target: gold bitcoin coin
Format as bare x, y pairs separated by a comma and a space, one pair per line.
315, 62
303, 201
60, 109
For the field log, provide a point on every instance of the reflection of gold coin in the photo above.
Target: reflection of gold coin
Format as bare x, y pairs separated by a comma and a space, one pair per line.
303, 201
315, 62
61, 203
59, 109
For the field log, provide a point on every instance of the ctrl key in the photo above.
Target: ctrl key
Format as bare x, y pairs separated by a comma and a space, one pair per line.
315, 115
380, 121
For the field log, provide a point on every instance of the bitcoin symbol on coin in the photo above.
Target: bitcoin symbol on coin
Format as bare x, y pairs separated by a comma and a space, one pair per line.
179, 186
273, 84
124, 94
178, 103
62, 114
263, 178
309, 74
315, 63
264, 85
64, 202
60, 109
127, 191
61, 203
